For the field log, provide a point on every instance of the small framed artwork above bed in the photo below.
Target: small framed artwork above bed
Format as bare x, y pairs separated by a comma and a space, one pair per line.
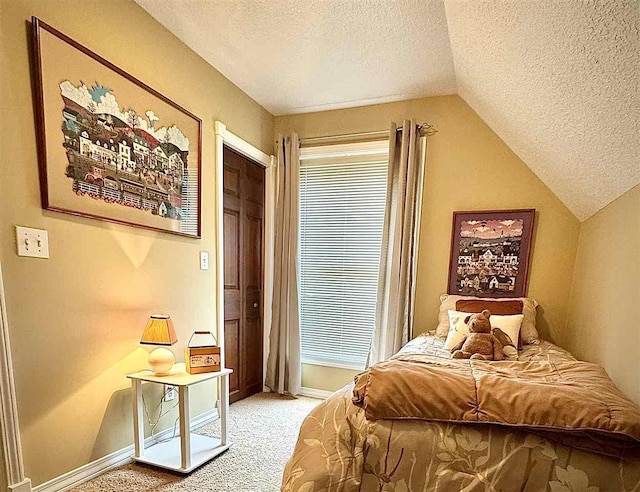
490, 253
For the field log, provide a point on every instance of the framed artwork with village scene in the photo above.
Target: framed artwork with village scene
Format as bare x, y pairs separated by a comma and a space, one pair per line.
490, 253
109, 146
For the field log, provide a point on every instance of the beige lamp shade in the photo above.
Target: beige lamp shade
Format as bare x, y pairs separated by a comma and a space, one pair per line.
159, 331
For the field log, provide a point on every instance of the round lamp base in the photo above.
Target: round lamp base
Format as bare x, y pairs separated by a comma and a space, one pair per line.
161, 361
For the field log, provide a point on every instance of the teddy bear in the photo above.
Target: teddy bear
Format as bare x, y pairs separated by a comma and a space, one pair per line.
480, 343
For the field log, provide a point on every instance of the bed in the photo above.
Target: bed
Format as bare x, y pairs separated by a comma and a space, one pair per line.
361, 438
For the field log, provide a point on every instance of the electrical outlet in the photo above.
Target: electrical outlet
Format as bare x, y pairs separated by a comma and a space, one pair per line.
169, 393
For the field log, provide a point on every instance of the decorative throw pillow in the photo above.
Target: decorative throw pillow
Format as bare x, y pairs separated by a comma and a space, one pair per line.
458, 329
510, 324
506, 307
528, 332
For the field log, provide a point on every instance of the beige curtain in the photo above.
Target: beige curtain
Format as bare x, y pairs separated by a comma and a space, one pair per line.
283, 365
398, 259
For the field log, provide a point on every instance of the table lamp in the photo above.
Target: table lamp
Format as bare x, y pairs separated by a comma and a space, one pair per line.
159, 331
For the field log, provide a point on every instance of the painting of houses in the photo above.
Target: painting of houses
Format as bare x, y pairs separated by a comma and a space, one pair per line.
118, 156
110, 147
490, 253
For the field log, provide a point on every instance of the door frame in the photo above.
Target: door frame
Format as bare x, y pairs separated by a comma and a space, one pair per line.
9, 426
233, 141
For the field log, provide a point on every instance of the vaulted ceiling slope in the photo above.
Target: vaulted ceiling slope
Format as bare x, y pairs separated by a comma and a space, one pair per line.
556, 80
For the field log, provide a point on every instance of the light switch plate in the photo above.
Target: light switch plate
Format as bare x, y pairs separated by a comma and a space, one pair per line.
32, 242
204, 260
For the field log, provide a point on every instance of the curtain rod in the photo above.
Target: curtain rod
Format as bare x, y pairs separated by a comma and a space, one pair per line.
425, 130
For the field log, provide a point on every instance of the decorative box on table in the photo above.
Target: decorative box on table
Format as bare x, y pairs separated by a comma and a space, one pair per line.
202, 353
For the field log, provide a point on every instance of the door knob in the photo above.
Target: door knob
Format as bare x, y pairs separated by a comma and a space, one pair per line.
255, 304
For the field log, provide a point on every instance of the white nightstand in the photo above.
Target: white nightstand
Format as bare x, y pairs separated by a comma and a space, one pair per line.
188, 451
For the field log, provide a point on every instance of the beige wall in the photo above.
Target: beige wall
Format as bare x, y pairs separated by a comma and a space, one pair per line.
468, 168
325, 378
604, 315
76, 319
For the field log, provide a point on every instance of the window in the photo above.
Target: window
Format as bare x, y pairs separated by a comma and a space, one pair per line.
189, 202
342, 204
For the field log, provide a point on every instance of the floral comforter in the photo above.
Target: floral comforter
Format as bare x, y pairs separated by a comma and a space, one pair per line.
340, 450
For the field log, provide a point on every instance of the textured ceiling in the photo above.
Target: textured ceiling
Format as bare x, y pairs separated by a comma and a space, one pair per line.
300, 55
557, 80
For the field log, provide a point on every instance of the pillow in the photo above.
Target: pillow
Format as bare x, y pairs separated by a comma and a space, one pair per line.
510, 324
510, 306
528, 332
458, 329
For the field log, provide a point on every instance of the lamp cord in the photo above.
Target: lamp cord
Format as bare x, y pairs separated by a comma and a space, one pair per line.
161, 414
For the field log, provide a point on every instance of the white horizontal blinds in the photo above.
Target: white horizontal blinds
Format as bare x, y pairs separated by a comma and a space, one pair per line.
342, 202
189, 222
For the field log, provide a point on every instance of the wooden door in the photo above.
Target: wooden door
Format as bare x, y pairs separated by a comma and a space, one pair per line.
243, 273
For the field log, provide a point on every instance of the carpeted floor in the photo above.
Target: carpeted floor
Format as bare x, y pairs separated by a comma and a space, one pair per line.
263, 429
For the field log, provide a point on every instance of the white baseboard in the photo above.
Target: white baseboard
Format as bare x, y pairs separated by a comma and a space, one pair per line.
24, 486
315, 393
117, 458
